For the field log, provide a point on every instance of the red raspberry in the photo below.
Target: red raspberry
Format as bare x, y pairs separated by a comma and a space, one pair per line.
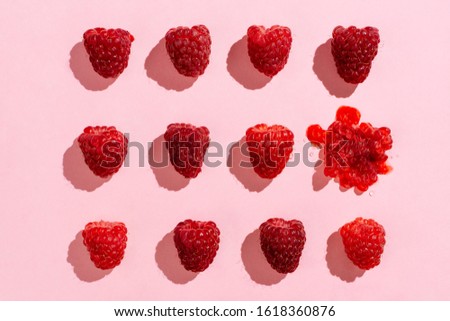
269, 48
197, 244
282, 243
363, 242
187, 146
104, 149
354, 153
108, 50
106, 243
189, 49
353, 50
269, 148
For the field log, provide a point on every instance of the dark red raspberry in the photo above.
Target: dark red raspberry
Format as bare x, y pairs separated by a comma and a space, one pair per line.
189, 49
269, 148
353, 50
363, 242
282, 243
354, 153
197, 244
187, 146
108, 50
104, 149
269, 48
106, 243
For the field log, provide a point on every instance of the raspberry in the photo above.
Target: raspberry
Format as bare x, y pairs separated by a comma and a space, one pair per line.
106, 243
104, 149
187, 146
197, 244
189, 49
354, 153
269, 48
108, 50
353, 50
363, 242
269, 148
282, 243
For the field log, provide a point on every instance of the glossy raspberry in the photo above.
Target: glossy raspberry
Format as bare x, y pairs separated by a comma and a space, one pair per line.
355, 154
187, 146
104, 149
269, 148
197, 244
108, 50
106, 243
353, 50
282, 243
269, 48
189, 49
364, 241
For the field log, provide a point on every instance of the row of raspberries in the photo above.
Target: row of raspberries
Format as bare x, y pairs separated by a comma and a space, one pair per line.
197, 242
189, 49
354, 153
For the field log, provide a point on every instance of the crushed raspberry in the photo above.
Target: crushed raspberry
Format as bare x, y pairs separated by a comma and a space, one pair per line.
355, 154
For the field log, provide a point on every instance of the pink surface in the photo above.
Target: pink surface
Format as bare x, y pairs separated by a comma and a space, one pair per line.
49, 94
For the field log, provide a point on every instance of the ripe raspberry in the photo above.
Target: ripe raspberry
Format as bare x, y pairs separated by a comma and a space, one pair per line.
363, 242
197, 244
282, 243
104, 149
106, 243
187, 146
269, 48
353, 50
108, 50
354, 153
269, 148
189, 49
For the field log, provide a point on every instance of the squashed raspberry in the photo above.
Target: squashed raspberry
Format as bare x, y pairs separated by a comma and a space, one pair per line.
353, 153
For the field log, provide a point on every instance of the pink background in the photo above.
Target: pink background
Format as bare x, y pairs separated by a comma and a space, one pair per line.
49, 94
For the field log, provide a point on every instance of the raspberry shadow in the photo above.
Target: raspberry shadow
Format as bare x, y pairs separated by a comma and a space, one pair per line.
166, 257
319, 180
241, 68
255, 262
83, 267
326, 71
165, 174
337, 261
160, 69
84, 72
239, 163
77, 172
